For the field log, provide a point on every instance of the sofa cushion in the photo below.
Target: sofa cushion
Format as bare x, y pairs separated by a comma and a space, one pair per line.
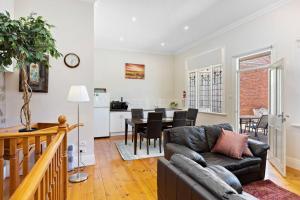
226, 176
231, 144
229, 163
204, 177
213, 132
189, 136
180, 149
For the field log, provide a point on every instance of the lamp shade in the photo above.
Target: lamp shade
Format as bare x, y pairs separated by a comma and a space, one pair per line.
78, 93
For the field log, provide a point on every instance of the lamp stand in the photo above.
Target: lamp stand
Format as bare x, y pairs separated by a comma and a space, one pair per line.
78, 176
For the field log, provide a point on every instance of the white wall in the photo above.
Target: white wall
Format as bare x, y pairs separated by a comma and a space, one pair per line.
73, 20
155, 90
280, 28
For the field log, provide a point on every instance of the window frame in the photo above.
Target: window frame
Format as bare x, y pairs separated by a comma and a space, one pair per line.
198, 72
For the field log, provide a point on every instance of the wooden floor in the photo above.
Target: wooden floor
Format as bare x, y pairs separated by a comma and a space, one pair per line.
112, 178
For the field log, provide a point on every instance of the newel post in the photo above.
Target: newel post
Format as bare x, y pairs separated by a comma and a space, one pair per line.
63, 129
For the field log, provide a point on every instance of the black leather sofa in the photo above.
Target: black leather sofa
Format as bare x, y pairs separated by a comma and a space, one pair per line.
197, 142
183, 179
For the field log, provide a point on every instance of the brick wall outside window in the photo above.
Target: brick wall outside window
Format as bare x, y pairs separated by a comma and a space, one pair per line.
253, 90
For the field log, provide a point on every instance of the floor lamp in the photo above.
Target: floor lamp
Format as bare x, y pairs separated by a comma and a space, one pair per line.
78, 94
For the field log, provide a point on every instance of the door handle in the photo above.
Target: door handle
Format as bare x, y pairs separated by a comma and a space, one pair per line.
283, 117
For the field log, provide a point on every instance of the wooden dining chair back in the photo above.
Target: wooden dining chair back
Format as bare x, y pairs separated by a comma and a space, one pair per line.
154, 125
179, 118
161, 110
153, 130
192, 114
137, 113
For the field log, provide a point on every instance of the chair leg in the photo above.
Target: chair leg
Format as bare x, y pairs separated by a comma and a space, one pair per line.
141, 141
159, 144
132, 134
154, 142
256, 130
148, 142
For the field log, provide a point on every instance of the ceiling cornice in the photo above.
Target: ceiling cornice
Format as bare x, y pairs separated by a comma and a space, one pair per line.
137, 51
236, 24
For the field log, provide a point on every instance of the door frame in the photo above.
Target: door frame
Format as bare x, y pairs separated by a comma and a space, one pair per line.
237, 77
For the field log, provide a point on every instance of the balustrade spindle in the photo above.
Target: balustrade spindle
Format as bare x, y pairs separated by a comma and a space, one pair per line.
1, 167
37, 147
13, 160
26, 156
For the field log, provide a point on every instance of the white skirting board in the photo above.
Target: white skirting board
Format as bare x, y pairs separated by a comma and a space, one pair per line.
86, 160
293, 163
120, 133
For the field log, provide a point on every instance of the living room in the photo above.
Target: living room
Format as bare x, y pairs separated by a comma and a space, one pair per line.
141, 56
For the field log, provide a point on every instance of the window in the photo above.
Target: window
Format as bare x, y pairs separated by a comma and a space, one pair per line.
205, 89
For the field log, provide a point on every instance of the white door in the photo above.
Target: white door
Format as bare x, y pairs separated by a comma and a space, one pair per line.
277, 134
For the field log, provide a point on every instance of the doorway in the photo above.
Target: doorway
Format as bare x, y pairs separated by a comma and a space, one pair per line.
253, 95
256, 77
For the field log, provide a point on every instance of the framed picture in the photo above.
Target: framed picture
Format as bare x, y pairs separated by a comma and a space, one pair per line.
134, 71
37, 78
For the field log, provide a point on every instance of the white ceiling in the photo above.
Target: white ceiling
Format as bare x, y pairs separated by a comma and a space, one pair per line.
163, 21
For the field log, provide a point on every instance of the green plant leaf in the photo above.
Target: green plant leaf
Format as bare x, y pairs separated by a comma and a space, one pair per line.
27, 40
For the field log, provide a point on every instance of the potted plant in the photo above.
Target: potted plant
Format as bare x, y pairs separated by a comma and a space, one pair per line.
173, 105
25, 41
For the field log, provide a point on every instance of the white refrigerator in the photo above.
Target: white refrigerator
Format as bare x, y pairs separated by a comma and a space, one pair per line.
101, 114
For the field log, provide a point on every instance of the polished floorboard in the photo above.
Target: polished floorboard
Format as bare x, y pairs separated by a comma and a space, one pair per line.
112, 178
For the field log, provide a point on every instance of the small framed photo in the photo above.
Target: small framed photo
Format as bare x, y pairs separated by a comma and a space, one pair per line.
37, 78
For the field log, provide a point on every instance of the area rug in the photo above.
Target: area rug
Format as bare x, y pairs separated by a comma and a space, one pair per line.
267, 190
126, 151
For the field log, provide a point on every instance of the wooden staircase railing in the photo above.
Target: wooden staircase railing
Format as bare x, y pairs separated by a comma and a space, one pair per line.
48, 177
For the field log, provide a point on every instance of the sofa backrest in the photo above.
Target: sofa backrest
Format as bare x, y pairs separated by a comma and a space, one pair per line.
192, 137
175, 184
209, 180
213, 132
172, 184
198, 138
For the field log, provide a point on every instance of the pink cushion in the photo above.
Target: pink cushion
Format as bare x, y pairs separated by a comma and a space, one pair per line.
231, 144
247, 152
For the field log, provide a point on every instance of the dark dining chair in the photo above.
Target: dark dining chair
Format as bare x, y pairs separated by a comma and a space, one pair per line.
136, 113
192, 114
179, 118
153, 130
261, 124
162, 110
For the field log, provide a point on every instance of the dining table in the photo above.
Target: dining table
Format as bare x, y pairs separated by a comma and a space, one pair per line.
139, 124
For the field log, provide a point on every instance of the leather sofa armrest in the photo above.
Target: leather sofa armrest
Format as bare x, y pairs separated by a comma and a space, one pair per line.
172, 148
258, 148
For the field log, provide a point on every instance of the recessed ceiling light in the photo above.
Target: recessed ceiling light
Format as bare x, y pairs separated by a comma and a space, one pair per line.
186, 28
162, 44
121, 39
133, 19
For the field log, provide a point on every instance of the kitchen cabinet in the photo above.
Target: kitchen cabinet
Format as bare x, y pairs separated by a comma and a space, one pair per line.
117, 121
